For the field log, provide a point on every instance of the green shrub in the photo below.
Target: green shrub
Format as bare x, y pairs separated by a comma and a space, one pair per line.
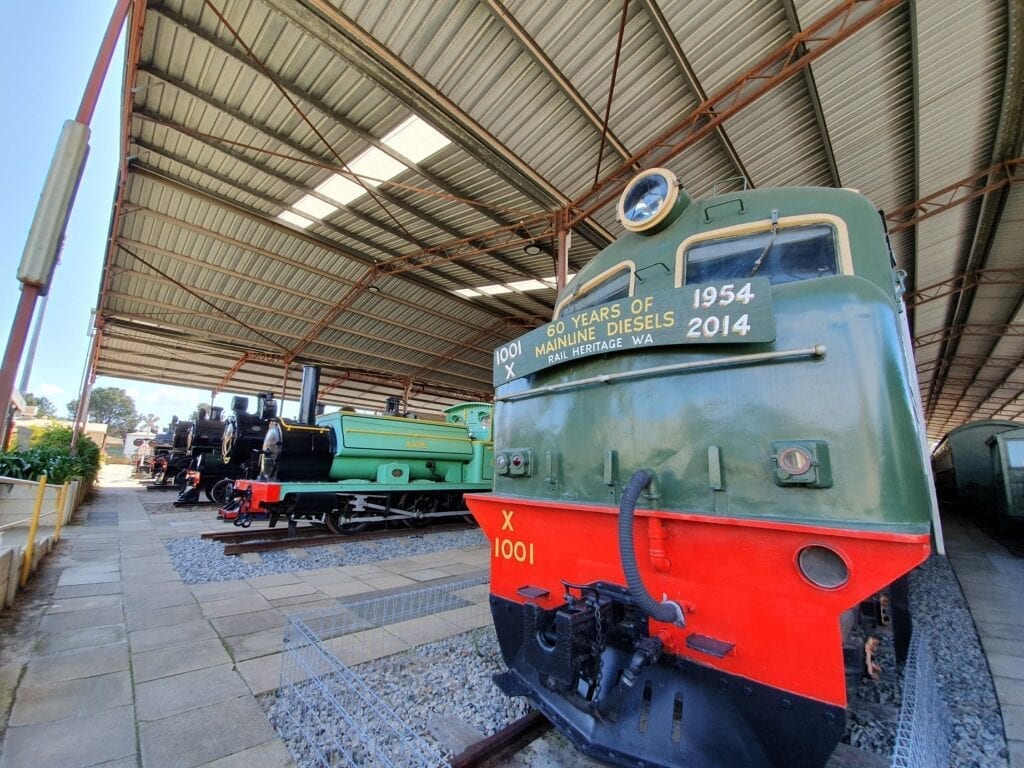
49, 454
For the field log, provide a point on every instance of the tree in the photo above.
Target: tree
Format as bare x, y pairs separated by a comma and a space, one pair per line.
201, 406
111, 406
44, 408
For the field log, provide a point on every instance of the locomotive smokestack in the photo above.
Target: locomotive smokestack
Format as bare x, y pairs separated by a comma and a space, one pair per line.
310, 387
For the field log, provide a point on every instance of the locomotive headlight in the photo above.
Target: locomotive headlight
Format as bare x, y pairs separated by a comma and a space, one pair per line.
823, 566
648, 199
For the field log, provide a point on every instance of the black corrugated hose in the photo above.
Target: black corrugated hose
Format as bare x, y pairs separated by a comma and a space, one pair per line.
667, 611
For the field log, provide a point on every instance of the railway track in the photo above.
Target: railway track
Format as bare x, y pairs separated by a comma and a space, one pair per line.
512, 738
530, 741
243, 542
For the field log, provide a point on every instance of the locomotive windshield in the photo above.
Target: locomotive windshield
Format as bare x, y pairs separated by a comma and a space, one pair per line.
795, 253
1015, 453
614, 284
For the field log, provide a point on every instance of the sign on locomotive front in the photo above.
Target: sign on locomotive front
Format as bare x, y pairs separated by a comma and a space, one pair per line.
712, 313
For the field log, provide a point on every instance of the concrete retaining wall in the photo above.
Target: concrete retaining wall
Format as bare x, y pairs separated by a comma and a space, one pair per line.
17, 501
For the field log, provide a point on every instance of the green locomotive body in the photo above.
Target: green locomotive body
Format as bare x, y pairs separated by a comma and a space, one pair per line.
351, 469
847, 392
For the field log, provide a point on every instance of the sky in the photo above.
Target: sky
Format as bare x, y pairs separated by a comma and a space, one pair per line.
47, 50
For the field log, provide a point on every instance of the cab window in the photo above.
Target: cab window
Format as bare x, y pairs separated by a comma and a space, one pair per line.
794, 253
615, 284
1015, 453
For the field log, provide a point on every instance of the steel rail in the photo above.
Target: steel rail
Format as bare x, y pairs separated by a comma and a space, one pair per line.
337, 538
510, 738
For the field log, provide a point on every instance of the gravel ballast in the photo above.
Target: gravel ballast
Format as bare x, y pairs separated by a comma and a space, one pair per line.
199, 561
453, 677
963, 679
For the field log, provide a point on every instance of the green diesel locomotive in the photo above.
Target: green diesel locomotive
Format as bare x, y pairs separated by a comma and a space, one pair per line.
704, 463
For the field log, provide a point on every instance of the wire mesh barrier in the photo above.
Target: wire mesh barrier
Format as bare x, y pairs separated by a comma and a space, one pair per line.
923, 734
330, 711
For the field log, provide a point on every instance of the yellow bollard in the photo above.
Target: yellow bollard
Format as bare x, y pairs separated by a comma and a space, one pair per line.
30, 545
61, 499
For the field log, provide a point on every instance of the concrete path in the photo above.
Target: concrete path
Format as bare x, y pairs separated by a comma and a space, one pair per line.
993, 582
108, 659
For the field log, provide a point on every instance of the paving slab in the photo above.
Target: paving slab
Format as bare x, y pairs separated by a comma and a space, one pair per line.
234, 605
303, 603
218, 590
71, 666
248, 623
203, 735
170, 635
345, 588
425, 630
76, 743
998, 616
1013, 721
273, 580
988, 629
243, 647
1006, 666
98, 617
173, 695
162, 617
73, 577
10, 674
387, 582
154, 576
1009, 690
93, 637
85, 590
1004, 646
35, 704
152, 596
288, 590
1016, 754
261, 674
132, 761
164, 662
86, 603
426, 574
269, 754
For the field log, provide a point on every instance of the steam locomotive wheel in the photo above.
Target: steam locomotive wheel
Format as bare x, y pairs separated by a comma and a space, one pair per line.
418, 506
221, 491
337, 523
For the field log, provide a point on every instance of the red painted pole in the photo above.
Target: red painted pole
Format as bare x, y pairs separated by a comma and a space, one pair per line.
103, 57
15, 344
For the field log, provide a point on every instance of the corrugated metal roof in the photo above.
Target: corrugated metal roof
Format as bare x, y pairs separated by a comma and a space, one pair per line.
236, 112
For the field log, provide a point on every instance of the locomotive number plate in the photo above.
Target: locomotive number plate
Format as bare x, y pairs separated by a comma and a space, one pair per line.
738, 312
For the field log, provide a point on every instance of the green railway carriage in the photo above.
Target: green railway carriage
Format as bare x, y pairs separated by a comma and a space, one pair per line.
962, 462
722, 413
1007, 457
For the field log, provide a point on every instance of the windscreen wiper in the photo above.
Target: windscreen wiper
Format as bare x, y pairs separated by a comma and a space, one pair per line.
768, 247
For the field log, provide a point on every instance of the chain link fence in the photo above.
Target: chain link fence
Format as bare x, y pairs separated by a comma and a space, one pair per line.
923, 734
327, 713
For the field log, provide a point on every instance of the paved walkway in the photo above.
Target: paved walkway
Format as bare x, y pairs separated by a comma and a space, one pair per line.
108, 659
993, 582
